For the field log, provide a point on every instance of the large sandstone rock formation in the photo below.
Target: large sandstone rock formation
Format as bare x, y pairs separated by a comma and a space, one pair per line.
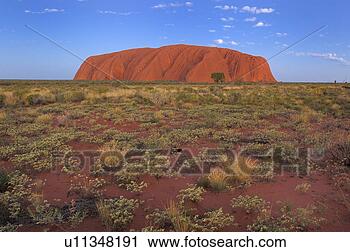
183, 63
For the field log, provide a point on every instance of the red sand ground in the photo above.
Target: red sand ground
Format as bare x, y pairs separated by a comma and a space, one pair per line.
159, 192
323, 194
178, 63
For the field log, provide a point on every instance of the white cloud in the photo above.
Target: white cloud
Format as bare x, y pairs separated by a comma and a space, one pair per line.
53, 10
110, 12
211, 30
125, 13
173, 5
160, 6
281, 34
226, 7
326, 56
189, 4
256, 10
219, 41
252, 19
46, 10
228, 19
261, 24
223, 42
107, 12
227, 26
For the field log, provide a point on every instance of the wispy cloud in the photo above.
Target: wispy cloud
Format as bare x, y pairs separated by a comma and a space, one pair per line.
325, 56
173, 5
126, 13
44, 11
227, 26
252, 19
227, 19
212, 30
110, 12
256, 10
226, 7
107, 12
281, 34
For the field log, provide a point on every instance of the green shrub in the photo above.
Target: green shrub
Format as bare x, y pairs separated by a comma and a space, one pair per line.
339, 153
298, 220
204, 182
37, 99
130, 182
86, 188
42, 213
2, 100
214, 221
192, 193
117, 214
249, 203
218, 77
16, 198
75, 96
303, 188
177, 219
4, 180
4, 215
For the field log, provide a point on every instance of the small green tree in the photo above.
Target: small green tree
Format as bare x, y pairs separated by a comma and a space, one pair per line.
218, 77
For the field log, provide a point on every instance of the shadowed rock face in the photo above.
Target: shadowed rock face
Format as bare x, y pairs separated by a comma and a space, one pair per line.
183, 63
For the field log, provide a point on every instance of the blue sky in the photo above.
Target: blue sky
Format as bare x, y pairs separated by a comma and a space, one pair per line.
260, 27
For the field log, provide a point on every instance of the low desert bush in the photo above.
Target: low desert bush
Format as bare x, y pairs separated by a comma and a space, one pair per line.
117, 214
339, 153
4, 215
307, 116
251, 204
4, 181
17, 197
303, 188
193, 194
2, 100
213, 221
39, 99
218, 180
130, 182
44, 119
86, 188
175, 218
289, 220
180, 221
203, 182
74, 96
42, 213
243, 169
3, 116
